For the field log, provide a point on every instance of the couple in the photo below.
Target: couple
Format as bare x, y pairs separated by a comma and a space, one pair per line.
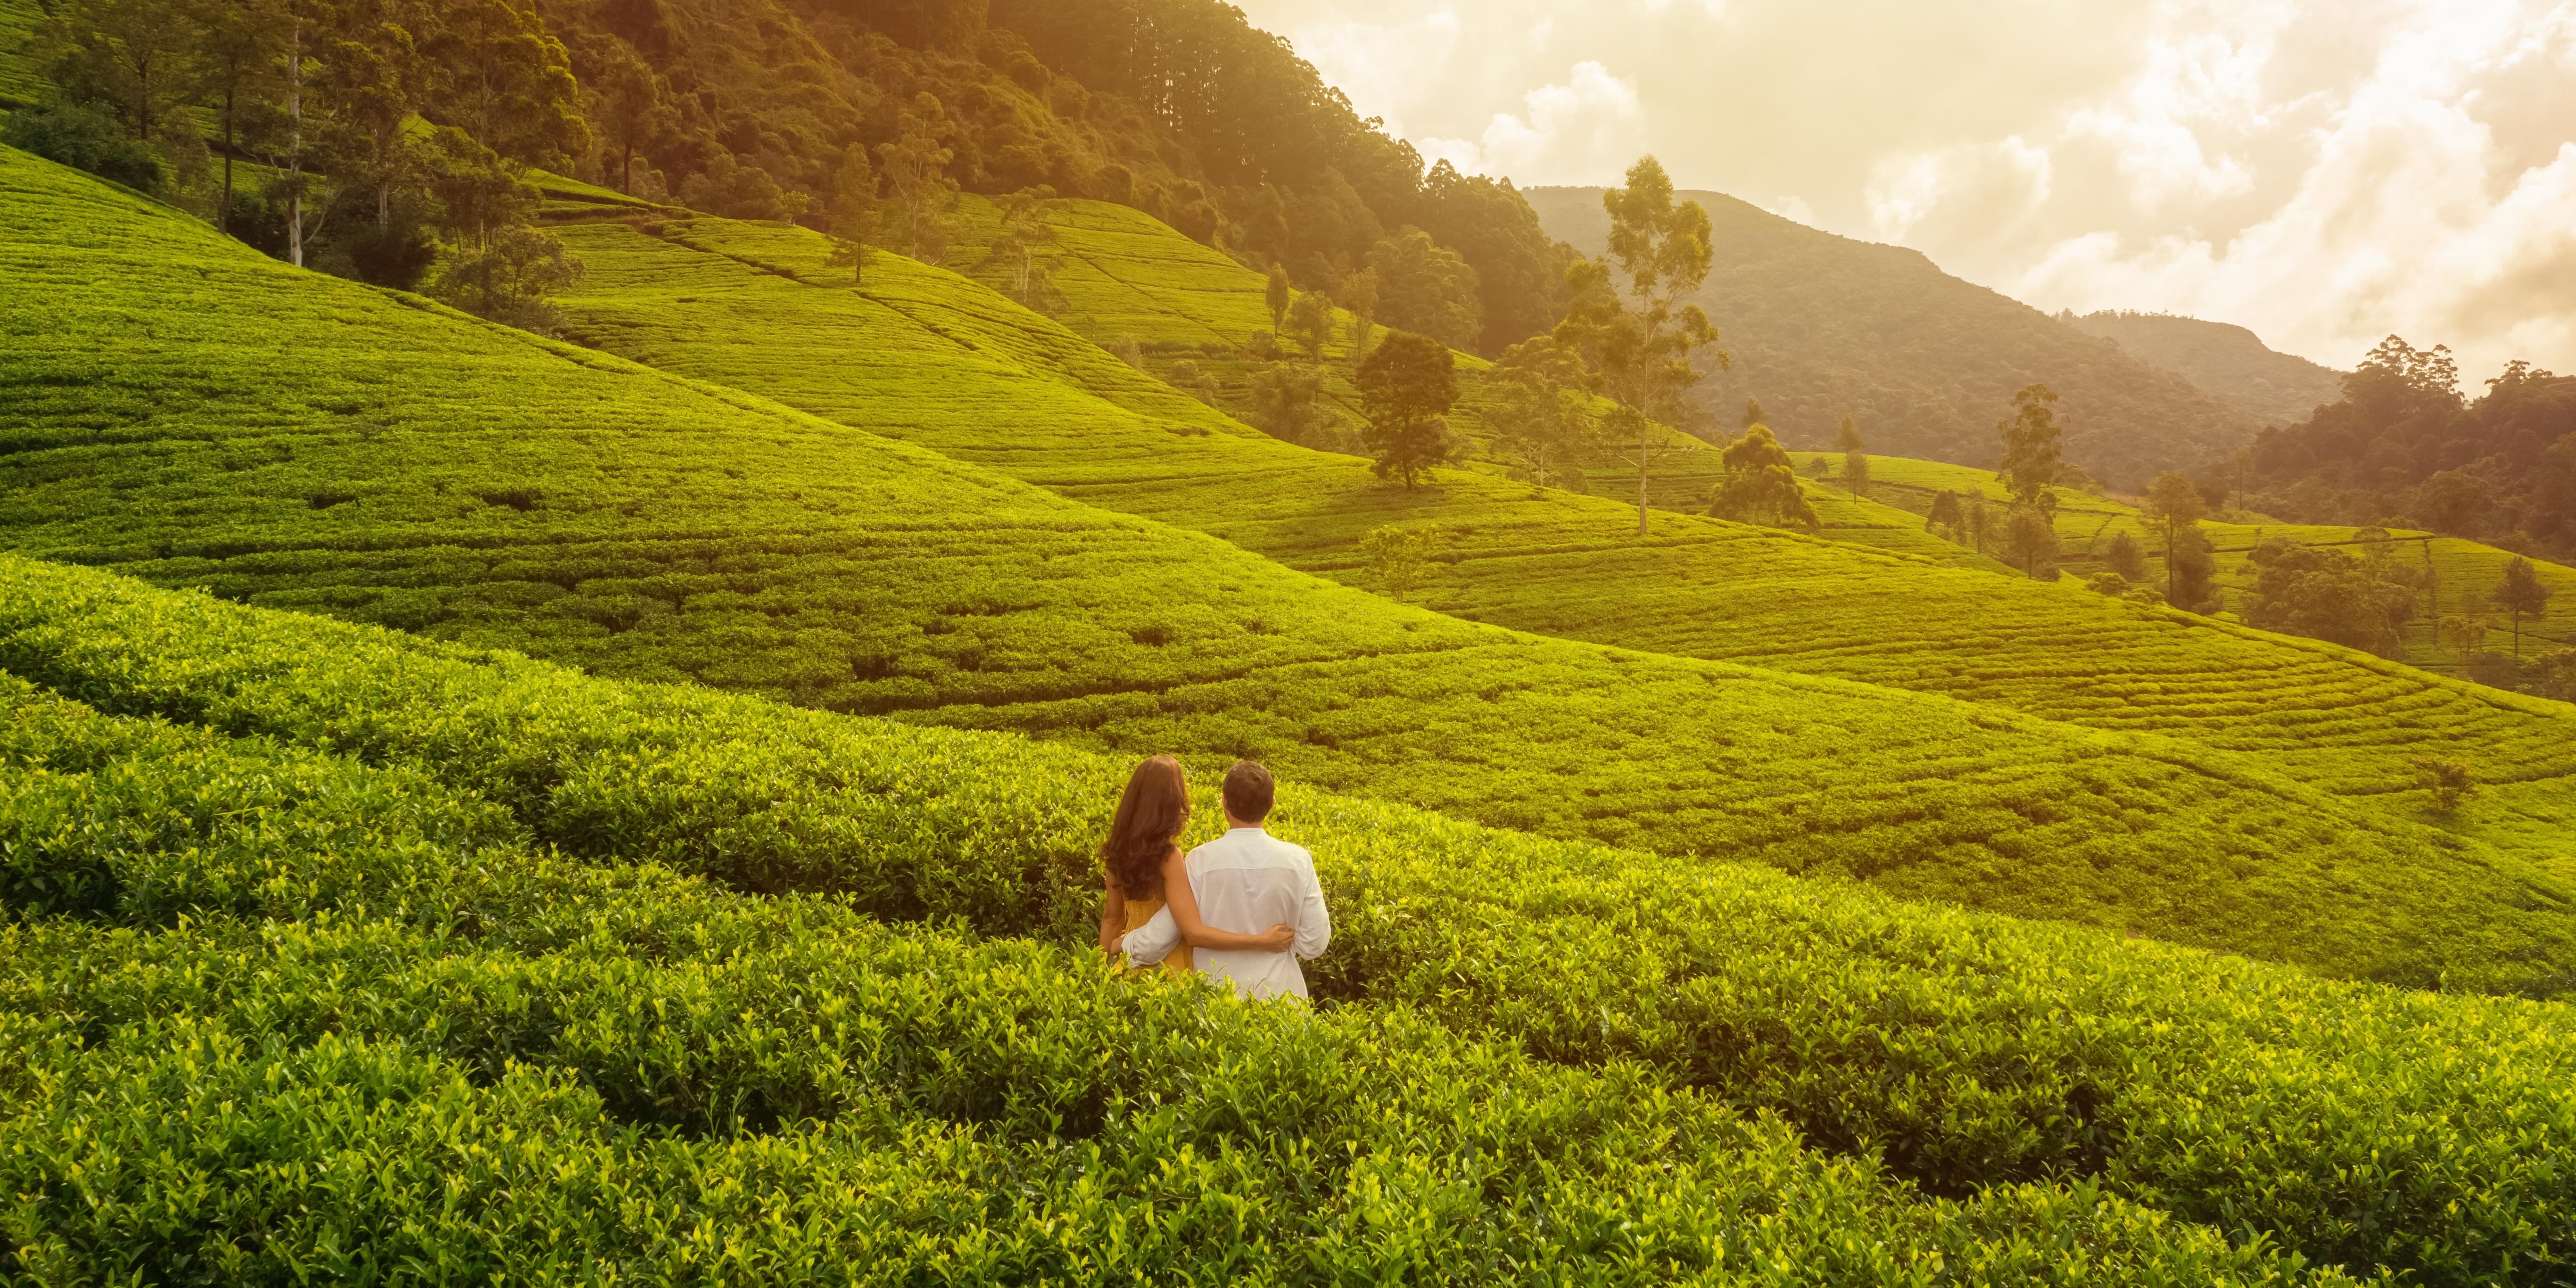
1244, 907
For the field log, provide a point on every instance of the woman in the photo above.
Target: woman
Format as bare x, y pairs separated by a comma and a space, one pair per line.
1144, 868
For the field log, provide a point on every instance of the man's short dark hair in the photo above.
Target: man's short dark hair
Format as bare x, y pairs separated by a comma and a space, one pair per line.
1248, 791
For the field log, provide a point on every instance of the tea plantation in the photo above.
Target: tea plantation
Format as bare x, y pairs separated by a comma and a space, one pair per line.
188, 412
747, 305
555, 969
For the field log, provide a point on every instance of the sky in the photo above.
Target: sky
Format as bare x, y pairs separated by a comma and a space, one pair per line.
2326, 173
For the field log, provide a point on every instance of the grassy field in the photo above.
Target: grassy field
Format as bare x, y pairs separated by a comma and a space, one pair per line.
480, 926
752, 305
187, 411
2465, 573
22, 84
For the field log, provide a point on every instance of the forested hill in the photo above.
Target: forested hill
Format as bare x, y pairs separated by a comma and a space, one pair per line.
2230, 362
1179, 108
1822, 327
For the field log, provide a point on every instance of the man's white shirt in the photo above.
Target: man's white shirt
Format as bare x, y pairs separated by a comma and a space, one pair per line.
1247, 881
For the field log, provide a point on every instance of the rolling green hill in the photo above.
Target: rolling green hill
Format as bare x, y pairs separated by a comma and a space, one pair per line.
481, 932
2232, 363
22, 83
185, 410
745, 304
1824, 327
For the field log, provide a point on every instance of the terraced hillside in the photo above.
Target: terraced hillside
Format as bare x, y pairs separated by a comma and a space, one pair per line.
2465, 573
576, 1040
1197, 318
1824, 327
219, 420
22, 83
749, 306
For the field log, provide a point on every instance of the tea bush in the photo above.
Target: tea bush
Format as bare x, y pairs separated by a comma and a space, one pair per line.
743, 304
429, 1053
2353, 1124
184, 410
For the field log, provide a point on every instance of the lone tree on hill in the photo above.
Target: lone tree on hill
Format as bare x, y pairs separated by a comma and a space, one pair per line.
2173, 501
2522, 595
1762, 484
1397, 555
2030, 540
1281, 293
1406, 389
1542, 411
2034, 460
1855, 458
1643, 341
2127, 558
1947, 518
1310, 324
1028, 242
855, 221
1358, 294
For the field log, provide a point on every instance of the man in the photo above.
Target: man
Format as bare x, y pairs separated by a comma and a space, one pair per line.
1247, 881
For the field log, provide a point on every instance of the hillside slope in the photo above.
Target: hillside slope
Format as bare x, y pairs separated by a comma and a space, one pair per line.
216, 419
1824, 327
22, 83
746, 305
2230, 362
529, 872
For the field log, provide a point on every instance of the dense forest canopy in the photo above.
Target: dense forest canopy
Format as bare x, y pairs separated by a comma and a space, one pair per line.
2232, 363
751, 108
2404, 447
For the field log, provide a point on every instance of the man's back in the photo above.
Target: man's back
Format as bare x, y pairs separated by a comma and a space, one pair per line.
1248, 881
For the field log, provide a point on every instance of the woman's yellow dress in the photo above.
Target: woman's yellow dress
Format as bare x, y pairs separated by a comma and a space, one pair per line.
1140, 911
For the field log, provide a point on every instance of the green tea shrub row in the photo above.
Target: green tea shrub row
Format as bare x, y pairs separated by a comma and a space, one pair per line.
2352, 1124
304, 443
490, 1064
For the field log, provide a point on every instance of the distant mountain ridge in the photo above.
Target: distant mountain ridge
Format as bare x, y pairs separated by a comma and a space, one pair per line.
2229, 361
1823, 326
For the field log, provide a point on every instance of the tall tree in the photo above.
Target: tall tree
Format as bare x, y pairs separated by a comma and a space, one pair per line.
1028, 244
2173, 502
1284, 402
1406, 389
1543, 411
376, 77
854, 213
2030, 540
1855, 458
1426, 288
1358, 294
1645, 341
239, 73
2129, 559
1762, 484
2034, 457
2522, 595
504, 78
1947, 515
1279, 294
2191, 571
1310, 323
916, 169
630, 113
1753, 414
140, 55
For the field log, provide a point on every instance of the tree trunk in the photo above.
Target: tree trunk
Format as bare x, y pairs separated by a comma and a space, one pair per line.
1644, 430
295, 145
224, 208
626, 172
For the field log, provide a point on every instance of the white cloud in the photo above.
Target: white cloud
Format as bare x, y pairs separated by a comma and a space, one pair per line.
2324, 171
1565, 131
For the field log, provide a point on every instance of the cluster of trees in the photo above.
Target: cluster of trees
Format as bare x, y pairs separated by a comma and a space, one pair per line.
1179, 108
389, 137
2404, 448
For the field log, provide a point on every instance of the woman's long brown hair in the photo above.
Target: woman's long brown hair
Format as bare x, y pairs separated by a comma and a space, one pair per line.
1151, 813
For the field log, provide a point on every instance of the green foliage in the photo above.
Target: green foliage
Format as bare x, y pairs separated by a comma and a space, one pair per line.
1284, 404
1407, 387
1543, 413
2329, 595
2522, 595
1855, 457
2030, 541
2033, 463
2228, 361
1762, 485
509, 279
1397, 555
1425, 288
2448, 781
2124, 558
526, 877
1310, 324
85, 139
